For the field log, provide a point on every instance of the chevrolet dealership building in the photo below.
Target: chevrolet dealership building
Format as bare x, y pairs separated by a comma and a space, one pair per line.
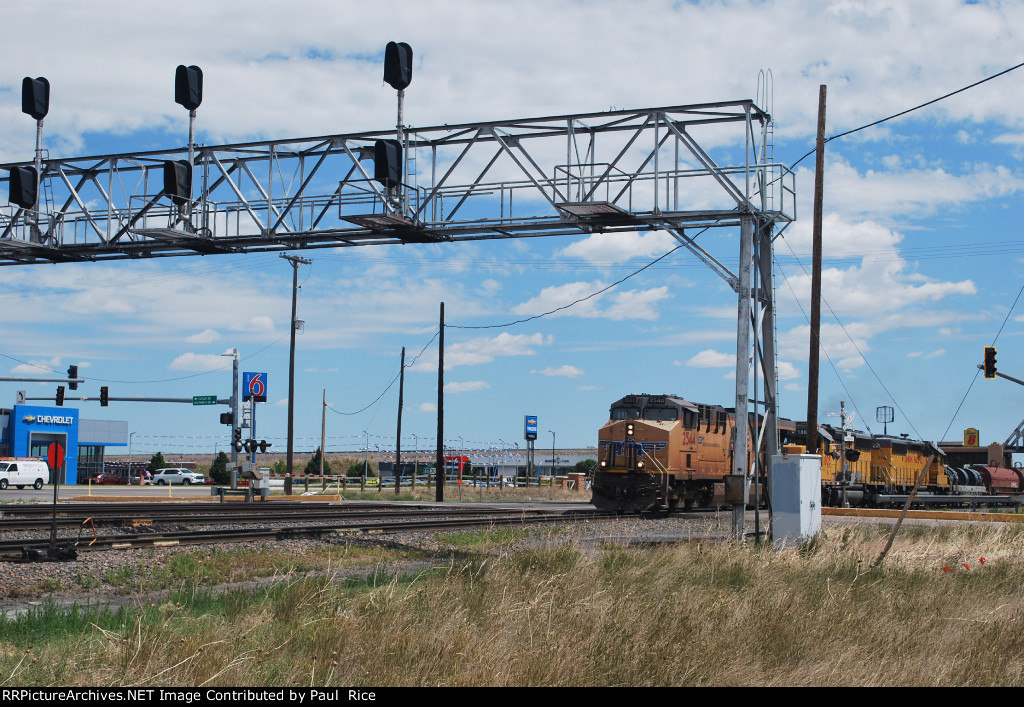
28, 430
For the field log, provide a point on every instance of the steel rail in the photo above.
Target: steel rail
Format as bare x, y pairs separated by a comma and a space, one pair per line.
200, 537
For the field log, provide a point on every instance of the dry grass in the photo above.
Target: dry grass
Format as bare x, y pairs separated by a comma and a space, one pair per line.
574, 614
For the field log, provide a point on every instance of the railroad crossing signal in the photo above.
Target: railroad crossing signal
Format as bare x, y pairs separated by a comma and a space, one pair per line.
253, 445
990, 361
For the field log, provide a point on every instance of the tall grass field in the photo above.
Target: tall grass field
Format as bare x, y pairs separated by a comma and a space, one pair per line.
550, 608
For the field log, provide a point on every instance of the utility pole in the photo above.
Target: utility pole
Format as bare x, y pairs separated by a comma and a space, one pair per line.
439, 460
398, 437
815, 345
295, 262
323, 433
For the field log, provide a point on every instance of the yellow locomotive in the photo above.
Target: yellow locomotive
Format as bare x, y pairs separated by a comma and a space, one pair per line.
657, 452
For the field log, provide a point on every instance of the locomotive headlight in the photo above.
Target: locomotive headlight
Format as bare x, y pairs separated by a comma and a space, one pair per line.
639, 465
603, 464
630, 429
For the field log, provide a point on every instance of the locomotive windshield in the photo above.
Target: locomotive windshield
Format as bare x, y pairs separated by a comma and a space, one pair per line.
661, 414
625, 413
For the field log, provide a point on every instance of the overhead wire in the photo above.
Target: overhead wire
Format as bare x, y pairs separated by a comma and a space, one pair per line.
909, 110
842, 326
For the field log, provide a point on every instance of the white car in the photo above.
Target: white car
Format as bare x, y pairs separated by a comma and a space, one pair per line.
177, 476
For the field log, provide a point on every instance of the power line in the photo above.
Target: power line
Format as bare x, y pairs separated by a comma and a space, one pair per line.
909, 110
571, 304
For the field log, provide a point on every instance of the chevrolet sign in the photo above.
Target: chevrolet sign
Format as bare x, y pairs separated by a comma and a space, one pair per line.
49, 419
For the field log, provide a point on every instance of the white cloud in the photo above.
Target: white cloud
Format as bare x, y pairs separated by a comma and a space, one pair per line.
204, 337
465, 386
484, 350
261, 324
622, 305
199, 362
709, 358
427, 407
787, 371
38, 367
565, 371
615, 248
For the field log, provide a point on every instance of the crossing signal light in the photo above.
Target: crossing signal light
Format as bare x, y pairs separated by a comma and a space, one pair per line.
23, 187
990, 361
264, 444
398, 65
60, 396
72, 376
178, 181
387, 163
236, 440
188, 86
35, 97
248, 446
104, 396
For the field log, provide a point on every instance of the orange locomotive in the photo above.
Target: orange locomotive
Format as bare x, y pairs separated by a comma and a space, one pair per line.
659, 451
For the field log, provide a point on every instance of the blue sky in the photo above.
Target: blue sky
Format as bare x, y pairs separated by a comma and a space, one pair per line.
923, 255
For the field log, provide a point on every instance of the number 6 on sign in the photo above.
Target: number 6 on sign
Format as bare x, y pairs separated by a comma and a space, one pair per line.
254, 386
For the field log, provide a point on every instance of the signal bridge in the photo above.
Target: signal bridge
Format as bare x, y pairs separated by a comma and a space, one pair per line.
560, 175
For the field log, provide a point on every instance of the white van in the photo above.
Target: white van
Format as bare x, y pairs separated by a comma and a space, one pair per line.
19, 472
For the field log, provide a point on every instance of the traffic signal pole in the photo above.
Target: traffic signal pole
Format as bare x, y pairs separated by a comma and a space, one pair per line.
1018, 381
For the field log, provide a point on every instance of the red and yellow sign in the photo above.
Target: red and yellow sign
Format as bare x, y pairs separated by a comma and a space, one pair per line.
971, 437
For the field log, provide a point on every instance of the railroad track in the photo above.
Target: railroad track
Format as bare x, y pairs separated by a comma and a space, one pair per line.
366, 521
131, 515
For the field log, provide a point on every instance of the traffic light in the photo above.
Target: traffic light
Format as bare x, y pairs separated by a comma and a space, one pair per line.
398, 65
990, 361
178, 181
104, 396
188, 86
387, 163
72, 375
236, 439
35, 97
23, 187
60, 396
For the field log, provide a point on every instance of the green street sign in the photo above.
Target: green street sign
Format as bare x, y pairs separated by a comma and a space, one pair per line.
204, 399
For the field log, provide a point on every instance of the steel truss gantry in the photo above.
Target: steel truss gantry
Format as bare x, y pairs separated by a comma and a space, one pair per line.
614, 171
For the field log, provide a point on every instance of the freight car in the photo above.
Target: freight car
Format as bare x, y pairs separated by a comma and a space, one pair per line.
657, 452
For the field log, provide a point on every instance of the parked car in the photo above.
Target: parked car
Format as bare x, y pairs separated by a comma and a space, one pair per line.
106, 479
163, 477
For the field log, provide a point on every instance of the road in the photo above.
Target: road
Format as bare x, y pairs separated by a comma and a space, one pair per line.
45, 494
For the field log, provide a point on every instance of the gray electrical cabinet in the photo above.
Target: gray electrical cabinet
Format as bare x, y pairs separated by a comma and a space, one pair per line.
795, 488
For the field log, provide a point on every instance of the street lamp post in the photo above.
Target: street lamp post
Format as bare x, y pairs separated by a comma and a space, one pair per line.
415, 461
234, 411
552, 453
130, 435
